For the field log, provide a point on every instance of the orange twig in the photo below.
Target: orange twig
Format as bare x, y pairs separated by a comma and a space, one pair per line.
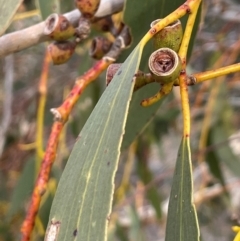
82, 82
41, 182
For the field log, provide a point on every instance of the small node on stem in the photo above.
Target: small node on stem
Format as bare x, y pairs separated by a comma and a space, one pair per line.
188, 9
153, 31
61, 52
168, 37
99, 47
57, 115
58, 27
191, 80
165, 65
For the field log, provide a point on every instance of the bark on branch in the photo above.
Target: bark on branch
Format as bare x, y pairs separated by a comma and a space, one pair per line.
25, 38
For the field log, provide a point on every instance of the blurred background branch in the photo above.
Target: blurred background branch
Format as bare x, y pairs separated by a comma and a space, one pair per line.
33, 35
7, 99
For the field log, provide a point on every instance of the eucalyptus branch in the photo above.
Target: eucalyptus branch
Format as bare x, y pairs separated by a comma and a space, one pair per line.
25, 38
211, 74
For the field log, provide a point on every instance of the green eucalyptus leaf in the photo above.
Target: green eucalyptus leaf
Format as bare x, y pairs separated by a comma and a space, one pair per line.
135, 231
47, 7
145, 173
7, 11
23, 189
213, 160
222, 126
120, 233
224, 152
139, 117
66, 5
182, 224
83, 200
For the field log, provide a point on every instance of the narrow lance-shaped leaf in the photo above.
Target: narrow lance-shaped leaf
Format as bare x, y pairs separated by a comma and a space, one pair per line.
7, 11
182, 224
82, 205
